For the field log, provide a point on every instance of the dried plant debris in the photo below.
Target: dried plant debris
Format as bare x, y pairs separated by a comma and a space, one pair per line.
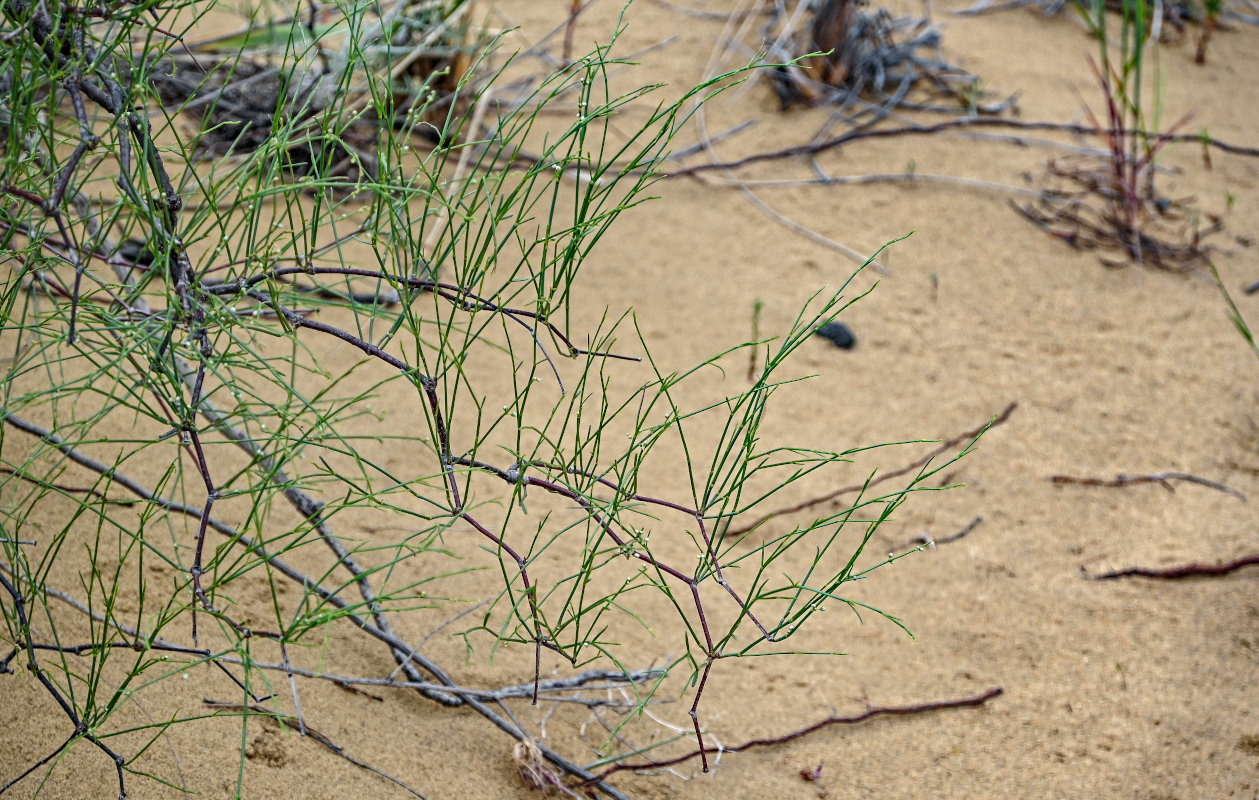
1169, 19
1175, 12
1083, 206
246, 90
876, 63
534, 772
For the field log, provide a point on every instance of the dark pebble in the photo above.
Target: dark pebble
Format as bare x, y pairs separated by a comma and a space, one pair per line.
838, 334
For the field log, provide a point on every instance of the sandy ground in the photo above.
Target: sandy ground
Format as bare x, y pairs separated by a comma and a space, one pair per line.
1127, 689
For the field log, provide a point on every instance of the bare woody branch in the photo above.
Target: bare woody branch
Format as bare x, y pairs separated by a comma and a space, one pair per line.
1163, 479
1176, 573
868, 714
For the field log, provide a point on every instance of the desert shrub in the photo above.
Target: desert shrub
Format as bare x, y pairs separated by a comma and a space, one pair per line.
296, 354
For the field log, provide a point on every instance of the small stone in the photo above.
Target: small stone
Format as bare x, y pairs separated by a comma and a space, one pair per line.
838, 334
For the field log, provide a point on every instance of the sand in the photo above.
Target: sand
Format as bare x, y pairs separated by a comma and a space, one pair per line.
1128, 689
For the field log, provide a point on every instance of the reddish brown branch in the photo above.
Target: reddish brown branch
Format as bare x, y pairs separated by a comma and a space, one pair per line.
868, 714
1173, 573
575, 7
812, 148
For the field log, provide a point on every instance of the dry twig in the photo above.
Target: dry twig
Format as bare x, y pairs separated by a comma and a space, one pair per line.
868, 714
926, 539
1174, 573
1163, 479
964, 123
